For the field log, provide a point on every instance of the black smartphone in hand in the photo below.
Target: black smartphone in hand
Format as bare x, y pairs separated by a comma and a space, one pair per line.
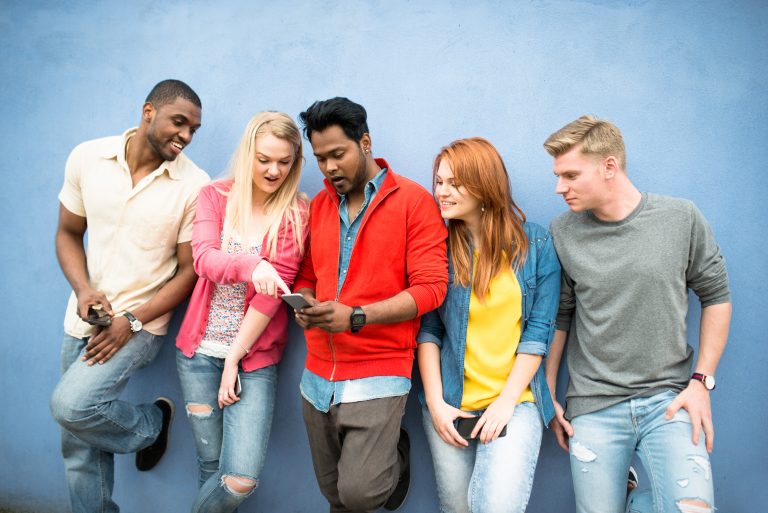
465, 427
98, 317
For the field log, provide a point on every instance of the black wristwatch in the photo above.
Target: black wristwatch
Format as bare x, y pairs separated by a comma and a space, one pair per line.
357, 319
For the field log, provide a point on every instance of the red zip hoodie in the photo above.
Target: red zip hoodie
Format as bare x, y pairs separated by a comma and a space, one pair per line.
400, 246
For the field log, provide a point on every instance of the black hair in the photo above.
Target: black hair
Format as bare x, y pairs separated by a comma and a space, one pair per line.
348, 115
168, 90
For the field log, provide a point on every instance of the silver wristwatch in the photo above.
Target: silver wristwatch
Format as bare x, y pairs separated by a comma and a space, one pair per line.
135, 324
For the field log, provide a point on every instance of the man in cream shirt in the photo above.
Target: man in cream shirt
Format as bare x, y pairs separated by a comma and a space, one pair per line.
136, 195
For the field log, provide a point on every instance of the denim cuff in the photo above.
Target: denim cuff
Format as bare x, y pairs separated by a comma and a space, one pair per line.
532, 347
425, 336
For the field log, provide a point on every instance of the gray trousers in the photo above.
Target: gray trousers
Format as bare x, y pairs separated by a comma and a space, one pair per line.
354, 452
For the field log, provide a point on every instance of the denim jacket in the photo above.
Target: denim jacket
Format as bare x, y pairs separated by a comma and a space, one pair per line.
540, 284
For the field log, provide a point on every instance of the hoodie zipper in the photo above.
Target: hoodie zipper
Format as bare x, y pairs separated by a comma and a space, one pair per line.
338, 293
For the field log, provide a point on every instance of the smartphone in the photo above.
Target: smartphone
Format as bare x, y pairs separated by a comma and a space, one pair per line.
98, 317
238, 385
296, 301
465, 427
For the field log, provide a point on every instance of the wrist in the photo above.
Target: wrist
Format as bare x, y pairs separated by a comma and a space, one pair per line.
707, 381
433, 400
357, 318
237, 351
80, 287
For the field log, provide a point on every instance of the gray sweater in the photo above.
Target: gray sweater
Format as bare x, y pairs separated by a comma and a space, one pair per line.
625, 297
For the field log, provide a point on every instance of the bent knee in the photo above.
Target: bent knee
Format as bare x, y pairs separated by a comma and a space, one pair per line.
199, 410
694, 506
359, 496
239, 485
68, 410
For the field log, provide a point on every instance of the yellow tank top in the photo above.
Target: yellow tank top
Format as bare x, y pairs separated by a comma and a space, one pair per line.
493, 334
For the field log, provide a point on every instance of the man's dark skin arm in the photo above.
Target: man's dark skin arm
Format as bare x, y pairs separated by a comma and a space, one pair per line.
334, 317
71, 254
107, 341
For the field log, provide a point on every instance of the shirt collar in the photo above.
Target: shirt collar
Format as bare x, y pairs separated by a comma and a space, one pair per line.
116, 151
372, 187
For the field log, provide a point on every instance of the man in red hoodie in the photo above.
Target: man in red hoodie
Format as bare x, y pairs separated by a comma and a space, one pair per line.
376, 263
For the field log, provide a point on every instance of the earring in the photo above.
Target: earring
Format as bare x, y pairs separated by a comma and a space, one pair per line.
482, 207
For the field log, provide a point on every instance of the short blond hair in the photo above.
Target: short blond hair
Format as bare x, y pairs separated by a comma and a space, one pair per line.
595, 136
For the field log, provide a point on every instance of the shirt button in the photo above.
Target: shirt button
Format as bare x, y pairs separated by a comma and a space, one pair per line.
344, 271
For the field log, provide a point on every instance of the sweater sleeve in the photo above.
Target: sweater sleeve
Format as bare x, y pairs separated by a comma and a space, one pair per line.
210, 261
706, 274
426, 259
286, 262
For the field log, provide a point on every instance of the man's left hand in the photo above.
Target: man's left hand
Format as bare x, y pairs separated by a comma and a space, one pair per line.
105, 343
330, 316
695, 400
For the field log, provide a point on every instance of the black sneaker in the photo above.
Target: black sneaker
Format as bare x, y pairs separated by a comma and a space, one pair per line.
148, 457
404, 483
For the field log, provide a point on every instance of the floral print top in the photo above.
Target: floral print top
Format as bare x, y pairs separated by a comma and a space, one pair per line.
227, 307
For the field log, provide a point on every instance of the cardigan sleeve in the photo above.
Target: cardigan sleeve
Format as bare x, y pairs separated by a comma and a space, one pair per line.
210, 261
287, 261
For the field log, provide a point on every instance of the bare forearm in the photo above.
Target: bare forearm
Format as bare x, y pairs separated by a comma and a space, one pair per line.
398, 308
71, 254
713, 336
552, 363
428, 356
176, 290
523, 370
253, 325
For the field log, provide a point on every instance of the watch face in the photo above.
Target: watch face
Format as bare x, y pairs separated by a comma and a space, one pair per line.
709, 382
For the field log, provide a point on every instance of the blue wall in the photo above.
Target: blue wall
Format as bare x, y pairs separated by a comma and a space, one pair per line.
684, 80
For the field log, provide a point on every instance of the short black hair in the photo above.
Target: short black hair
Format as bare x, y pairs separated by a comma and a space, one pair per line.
168, 90
350, 116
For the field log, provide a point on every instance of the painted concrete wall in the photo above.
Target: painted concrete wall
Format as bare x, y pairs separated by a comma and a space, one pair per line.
684, 80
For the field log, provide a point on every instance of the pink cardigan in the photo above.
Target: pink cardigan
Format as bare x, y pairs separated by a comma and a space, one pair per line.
216, 266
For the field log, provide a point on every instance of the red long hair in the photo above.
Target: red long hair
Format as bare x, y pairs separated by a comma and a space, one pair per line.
478, 167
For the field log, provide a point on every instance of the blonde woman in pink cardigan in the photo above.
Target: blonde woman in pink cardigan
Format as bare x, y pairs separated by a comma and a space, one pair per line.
248, 240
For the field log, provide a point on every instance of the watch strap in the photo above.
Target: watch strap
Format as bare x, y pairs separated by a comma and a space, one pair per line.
698, 376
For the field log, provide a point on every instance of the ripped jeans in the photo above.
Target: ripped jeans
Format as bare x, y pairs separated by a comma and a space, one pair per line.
231, 443
605, 441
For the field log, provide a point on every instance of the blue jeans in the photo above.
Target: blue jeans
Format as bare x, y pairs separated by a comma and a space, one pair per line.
605, 441
492, 478
95, 423
231, 442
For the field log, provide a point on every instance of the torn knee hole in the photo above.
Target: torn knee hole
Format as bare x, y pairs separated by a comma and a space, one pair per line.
239, 485
694, 506
199, 410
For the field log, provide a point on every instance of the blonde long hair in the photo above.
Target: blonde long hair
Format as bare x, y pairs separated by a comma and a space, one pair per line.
478, 167
284, 205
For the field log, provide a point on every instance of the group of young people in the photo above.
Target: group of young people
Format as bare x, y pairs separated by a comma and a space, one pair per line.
387, 270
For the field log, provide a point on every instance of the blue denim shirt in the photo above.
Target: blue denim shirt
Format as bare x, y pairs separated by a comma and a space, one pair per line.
540, 284
318, 391
348, 229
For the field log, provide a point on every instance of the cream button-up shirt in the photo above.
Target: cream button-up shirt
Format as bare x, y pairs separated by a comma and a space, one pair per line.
132, 231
